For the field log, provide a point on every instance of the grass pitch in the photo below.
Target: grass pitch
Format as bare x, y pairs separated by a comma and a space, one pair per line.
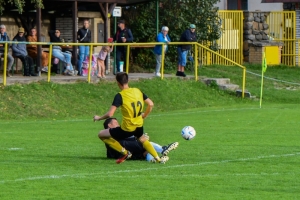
240, 152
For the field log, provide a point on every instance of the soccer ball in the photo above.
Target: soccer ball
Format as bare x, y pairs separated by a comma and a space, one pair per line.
188, 133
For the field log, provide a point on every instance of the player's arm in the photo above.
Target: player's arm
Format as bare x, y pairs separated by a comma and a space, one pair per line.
116, 103
149, 108
109, 114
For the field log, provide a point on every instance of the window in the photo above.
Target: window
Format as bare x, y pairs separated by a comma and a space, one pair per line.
237, 4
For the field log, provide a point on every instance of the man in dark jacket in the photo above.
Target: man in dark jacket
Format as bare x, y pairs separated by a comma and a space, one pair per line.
83, 36
188, 35
122, 35
19, 50
10, 59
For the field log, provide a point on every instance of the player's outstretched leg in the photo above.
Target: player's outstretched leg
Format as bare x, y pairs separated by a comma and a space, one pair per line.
169, 147
123, 158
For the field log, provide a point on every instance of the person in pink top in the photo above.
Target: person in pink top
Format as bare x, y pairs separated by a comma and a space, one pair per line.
101, 60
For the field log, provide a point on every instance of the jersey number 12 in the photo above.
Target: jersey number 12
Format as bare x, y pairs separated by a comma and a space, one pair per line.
136, 106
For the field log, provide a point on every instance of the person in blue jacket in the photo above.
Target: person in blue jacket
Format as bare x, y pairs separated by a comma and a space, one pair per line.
161, 37
19, 50
4, 38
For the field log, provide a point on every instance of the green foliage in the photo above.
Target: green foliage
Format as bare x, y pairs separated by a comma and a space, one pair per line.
19, 4
177, 15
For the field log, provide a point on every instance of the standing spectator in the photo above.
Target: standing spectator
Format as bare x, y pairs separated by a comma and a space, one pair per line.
19, 50
122, 35
100, 60
10, 59
188, 35
57, 52
161, 37
83, 36
33, 50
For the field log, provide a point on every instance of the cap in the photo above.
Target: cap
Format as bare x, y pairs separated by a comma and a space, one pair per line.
21, 30
121, 21
192, 26
2, 26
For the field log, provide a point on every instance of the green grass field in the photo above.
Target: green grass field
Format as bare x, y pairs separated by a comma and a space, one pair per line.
239, 152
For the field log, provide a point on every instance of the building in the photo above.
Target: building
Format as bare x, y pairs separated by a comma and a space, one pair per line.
249, 5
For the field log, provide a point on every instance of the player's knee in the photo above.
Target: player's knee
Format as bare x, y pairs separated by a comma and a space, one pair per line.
142, 139
104, 134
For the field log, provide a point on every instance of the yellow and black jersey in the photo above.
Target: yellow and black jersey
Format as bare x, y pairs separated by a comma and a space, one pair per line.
131, 101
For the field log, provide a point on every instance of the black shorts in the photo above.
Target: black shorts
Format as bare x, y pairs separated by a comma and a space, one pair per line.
130, 144
119, 134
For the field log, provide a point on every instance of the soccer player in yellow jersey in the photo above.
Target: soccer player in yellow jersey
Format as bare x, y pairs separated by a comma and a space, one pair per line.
131, 101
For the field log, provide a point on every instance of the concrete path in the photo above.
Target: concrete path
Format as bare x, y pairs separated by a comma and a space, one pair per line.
18, 78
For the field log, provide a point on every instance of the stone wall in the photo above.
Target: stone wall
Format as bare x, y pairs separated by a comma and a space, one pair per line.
255, 30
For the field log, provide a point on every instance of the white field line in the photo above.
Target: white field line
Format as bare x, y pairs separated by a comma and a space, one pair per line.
113, 173
151, 115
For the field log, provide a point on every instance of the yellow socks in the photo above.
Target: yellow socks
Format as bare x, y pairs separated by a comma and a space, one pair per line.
148, 146
115, 145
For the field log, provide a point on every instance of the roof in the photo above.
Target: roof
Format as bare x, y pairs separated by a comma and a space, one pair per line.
280, 1
118, 2
65, 6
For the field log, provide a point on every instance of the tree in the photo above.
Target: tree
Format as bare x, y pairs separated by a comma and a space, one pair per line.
177, 15
19, 4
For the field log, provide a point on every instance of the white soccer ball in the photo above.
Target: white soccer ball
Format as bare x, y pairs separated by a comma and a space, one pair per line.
188, 133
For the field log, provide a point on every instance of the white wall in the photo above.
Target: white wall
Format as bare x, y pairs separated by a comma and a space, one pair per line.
257, 5
254, 5
222, 5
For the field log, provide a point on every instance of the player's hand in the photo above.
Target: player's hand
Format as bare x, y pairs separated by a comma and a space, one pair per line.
143, 115
96, 118
146, 136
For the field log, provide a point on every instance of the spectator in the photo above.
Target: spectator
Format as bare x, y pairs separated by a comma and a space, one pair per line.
33, 50
10, 59
19, 50
122, 35
83, 36
57, 52
55, 36
161, 37
188, 35
101, 60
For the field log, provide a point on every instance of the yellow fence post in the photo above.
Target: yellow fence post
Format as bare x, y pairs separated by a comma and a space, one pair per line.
90, 64
162, 61
127, 58
282, 28
49, 65
196, 62
244, 83
5, 63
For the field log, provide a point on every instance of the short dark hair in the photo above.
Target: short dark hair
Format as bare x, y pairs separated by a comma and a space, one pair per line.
107, 121
122, 78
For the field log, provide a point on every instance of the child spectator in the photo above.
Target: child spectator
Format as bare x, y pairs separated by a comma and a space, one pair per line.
100, 60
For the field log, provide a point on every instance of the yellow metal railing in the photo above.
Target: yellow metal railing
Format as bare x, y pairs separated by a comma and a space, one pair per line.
204, 57
231, 41
282, 28
200, 54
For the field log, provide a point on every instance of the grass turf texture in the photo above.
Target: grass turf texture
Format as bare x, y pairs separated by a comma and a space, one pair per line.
238, 153
49, 147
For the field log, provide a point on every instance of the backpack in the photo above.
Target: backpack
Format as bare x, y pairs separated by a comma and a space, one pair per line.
85, 66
